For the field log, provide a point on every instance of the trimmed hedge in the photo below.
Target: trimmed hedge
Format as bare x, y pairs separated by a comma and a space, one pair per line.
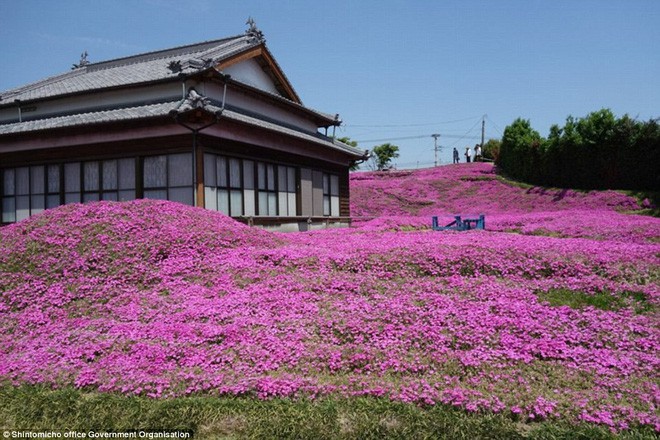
598, 151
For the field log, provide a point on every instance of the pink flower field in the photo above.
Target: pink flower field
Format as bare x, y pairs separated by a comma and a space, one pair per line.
550, 313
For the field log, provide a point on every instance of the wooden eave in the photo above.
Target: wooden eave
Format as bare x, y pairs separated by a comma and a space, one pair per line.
264, 58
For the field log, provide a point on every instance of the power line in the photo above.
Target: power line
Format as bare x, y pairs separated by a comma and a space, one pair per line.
453, 136
409, 125
465, 136
495, 125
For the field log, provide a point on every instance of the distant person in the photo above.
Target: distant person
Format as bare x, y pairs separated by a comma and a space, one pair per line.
477, 153
456, 158
468, 154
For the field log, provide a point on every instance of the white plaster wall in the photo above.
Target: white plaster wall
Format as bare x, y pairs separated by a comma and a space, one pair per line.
250, 72
244, 101
94, 101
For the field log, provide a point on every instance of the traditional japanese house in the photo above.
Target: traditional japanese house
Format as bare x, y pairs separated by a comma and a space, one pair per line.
215, 124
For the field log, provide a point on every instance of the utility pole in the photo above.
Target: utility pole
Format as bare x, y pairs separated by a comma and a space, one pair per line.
435, 147
483, 130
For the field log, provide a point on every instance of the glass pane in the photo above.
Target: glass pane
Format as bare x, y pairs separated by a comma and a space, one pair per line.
234, 173
91, 176
180, 170
71, 198
22, 181
126, 171
292, 204
182, 195
38, 204
209, 170
159, 194
236, 203
52, 201
22, 207
248, 174
112, 196
223, 201
326, 205
263, 203
37, 180
282, 203
9, 188
334, 204
334, 185
72, 177
8, 210
326, 184
110, 174
281, 178
53, 178
211, 196
248, 194
291, 177
90, 197
272, 204
221, 172
126, 195
154, 172
261, 173
270, 171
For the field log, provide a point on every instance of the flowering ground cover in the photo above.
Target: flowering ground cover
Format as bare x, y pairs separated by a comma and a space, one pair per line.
549, 314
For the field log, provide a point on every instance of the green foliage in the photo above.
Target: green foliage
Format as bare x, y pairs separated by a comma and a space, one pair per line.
519, 149
491, 149
348, 141
600, 300
38, 408
382, 156
598, 151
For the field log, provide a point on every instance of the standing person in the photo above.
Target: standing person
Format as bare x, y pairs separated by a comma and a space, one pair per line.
468, 154
477, 153
456, 159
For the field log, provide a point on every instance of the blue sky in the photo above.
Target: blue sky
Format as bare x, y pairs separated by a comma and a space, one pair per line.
391, 69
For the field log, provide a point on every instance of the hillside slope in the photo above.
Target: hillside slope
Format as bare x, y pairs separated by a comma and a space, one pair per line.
408, 199
466, 188
163, 300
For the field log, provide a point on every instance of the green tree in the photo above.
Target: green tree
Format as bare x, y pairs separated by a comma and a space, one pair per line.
520, 150
598, 151
348, 141
382, 156
491, 149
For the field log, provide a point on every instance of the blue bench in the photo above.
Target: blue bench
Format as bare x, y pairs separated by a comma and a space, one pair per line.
460, 224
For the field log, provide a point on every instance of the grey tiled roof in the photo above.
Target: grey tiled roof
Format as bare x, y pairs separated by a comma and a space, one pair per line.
143, 68
163, 109
136, 69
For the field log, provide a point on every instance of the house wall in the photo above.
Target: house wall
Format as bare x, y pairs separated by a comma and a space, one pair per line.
253, 104
162, 169
153, 94
251, 73
94, 102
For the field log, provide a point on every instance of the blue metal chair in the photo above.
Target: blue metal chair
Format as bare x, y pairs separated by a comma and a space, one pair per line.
460, 224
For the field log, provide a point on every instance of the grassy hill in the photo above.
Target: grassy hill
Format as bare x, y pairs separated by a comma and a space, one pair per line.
138, 312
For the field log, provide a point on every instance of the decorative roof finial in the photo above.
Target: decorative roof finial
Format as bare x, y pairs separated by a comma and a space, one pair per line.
83, 61
254, 32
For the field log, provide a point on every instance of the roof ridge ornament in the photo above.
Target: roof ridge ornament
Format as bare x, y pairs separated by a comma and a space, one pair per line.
175, 66
83, 61
256, 35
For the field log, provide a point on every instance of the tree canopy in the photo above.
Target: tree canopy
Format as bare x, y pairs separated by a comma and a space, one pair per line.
598, 151
382, 156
